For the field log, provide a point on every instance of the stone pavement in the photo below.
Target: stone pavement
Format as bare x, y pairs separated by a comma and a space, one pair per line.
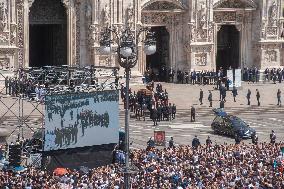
263, 118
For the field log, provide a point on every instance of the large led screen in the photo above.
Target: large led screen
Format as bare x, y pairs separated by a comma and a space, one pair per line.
81, 119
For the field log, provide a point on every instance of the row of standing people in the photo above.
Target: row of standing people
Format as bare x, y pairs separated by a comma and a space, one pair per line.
211, 76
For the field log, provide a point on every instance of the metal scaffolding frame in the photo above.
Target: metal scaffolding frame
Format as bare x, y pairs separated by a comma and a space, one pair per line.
61, 79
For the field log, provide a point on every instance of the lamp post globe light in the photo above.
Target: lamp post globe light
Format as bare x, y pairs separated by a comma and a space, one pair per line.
127, 53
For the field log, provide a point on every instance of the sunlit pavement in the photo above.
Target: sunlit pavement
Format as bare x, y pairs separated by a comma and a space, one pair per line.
263, 118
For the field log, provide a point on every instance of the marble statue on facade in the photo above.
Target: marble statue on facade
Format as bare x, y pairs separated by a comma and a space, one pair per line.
3, 16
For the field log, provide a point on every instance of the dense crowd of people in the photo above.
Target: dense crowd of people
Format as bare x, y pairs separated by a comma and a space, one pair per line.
211, 77
206, 166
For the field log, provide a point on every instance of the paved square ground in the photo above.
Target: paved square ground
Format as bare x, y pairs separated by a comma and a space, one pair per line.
263, 118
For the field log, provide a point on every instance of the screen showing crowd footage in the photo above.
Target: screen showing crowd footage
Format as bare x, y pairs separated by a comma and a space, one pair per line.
81, 119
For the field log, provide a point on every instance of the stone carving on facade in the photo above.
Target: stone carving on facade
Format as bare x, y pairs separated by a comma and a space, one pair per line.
4, 63
130, 16
94, 34
4, 38
5, 58
162, 5
201, 49
13, 33
271, 31
220, 17
3, 15
192, 32
20, 16
234, 4
105, 60
270, 56
201, 59
156, 18
201, 31
272, 14
263, 26
270, 46
210, 32
105, 15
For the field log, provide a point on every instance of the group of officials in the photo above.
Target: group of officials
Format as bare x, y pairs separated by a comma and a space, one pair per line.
151, 102
15, 86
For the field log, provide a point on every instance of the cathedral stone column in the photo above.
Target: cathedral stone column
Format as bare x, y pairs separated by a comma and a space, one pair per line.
71, 50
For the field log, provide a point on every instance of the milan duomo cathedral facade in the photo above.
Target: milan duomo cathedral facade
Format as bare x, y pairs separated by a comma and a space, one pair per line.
191, 34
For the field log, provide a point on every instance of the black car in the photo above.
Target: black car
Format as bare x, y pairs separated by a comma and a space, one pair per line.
230, 125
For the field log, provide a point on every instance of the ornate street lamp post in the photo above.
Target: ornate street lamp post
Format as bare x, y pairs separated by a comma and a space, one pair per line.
127, 52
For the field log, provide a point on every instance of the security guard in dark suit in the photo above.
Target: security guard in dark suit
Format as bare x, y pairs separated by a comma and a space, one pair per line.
192, 112
248, 96
257, 97
174, 111
210, 99
155, 116
201, 96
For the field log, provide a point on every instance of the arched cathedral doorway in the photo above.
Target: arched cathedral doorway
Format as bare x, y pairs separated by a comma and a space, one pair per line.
228, 48
159, 62
47, 33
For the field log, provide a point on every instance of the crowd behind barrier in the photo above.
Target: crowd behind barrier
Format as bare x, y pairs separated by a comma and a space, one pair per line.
211, 77
35, 83
181, 167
